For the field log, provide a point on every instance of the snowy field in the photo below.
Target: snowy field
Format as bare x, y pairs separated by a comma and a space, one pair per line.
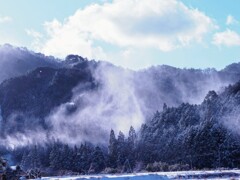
210, 175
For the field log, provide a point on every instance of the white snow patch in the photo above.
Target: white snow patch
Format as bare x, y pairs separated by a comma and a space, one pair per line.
210, 175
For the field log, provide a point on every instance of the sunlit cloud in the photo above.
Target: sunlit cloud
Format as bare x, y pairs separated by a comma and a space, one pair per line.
226, 38
158, 24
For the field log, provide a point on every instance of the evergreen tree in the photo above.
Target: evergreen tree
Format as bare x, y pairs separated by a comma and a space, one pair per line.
65, 156
132, 137
131, 146
24, 161
55, 156
74, 158
86, 157
121, 149
34, 158
98, 161
79, 159
112, 150
31, 159
164, 106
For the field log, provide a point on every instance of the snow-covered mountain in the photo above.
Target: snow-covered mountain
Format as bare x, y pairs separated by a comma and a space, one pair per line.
57, 114
36, 86
16, 61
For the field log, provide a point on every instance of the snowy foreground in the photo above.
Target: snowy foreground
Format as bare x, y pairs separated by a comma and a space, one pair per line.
217, 174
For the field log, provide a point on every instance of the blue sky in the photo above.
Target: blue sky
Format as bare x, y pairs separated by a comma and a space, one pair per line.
131, 33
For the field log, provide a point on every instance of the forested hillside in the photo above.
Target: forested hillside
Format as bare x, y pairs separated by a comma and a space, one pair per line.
177, 138
85, 116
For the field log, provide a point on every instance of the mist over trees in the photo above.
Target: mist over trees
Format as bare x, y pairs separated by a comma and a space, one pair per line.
56, 157
88, 117
177, 138
52, 92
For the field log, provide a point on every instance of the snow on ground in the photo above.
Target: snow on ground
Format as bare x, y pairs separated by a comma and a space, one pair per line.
210, 175
113, 177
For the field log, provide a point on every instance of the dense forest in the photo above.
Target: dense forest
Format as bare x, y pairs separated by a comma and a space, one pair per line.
177, 138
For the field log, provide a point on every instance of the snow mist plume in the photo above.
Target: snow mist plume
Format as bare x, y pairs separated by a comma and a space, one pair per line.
123, 98
120, 99
231, 120
114, 105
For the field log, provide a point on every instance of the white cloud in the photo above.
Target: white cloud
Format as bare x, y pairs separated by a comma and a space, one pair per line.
160, 24
37, 42
5, 19
227, 38
231, 20
69, 39
33, 33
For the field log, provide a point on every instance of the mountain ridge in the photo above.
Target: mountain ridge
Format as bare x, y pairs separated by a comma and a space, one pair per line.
136, 94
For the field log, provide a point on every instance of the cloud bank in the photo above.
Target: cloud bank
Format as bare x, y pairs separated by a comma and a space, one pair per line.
160, 24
